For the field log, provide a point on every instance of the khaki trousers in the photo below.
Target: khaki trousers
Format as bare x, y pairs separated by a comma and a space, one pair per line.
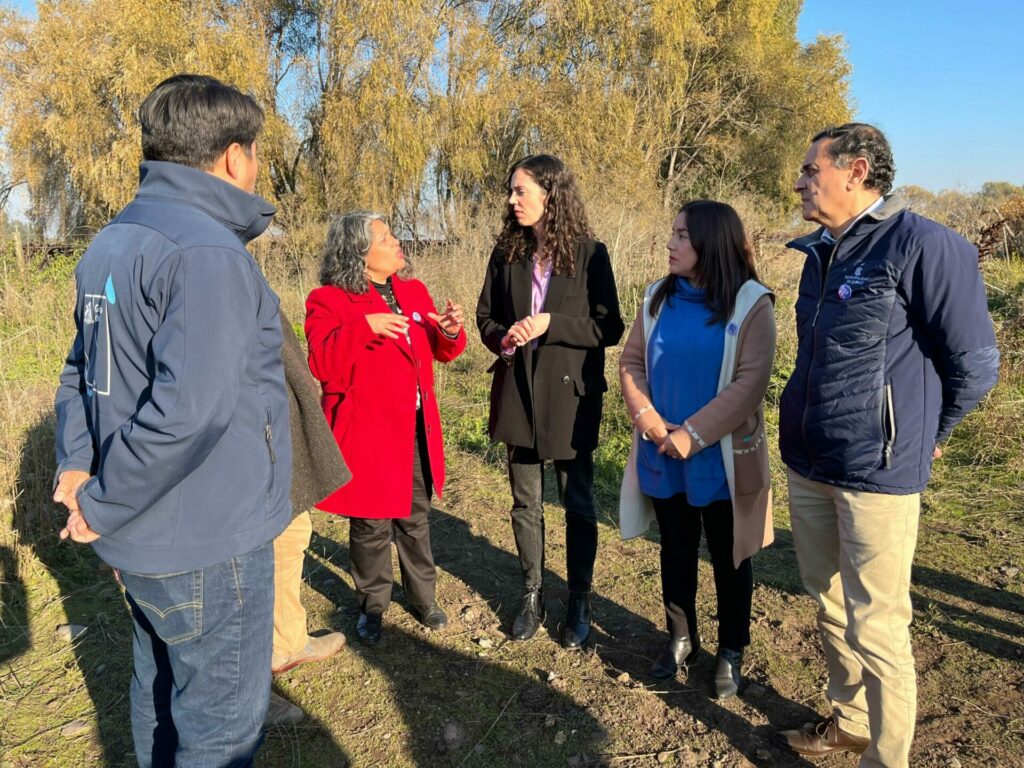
855, 551
289, 615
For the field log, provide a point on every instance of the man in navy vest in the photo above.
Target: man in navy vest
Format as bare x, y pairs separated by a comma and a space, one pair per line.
173, 448
895, 346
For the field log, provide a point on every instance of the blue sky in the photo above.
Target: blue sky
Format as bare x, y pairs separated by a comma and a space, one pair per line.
944, 80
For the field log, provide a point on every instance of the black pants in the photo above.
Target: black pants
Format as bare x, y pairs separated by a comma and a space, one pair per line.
680, 526
370, 544
575, 478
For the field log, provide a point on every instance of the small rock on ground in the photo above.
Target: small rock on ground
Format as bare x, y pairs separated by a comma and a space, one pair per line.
69, 632
454, 734
74, 728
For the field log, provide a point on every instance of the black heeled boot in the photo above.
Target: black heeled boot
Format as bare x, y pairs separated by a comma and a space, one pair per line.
727, 673
678, 652
576, 628
531, 615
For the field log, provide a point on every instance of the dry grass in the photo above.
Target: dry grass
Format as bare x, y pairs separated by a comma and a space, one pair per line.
390, 705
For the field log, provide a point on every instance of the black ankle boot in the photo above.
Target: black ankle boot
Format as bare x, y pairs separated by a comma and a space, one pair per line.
531, 615
727, 673
576, 628
678, 652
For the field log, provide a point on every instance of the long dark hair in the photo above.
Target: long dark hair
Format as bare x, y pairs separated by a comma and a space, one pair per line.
566, 223
725, 258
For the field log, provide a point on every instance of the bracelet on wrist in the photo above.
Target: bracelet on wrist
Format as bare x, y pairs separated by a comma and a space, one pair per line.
641, 412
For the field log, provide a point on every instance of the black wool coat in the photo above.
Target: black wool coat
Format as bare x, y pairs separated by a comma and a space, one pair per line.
318, 468
550, 397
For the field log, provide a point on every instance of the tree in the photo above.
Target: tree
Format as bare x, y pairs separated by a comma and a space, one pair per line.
73, 80
418, 107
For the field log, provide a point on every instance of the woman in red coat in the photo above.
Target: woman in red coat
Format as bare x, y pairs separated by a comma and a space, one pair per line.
373, 338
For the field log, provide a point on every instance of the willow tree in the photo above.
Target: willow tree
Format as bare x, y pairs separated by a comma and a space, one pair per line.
695, 96
73, 80
370, 132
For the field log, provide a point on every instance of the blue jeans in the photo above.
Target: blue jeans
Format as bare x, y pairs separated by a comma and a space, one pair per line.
202, 645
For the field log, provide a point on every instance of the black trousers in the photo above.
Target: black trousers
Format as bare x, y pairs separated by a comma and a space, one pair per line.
680, 526
575, 478
370, 544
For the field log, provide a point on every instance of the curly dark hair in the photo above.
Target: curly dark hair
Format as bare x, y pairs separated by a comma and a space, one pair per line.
565, 219
725, 258
854, 140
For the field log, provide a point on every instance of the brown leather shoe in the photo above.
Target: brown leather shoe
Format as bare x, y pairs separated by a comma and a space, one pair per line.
822, 738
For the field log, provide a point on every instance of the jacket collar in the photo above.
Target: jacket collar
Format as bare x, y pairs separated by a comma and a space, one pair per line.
892, 204
522, 286
245, 214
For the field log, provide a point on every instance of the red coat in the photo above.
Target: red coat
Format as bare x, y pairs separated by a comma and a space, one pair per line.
369, 393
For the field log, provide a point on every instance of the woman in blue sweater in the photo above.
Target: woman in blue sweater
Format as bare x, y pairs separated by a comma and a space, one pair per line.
694, 372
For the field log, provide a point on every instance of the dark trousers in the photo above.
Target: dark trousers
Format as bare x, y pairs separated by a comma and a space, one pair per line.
575, 478
370, 544
680, 526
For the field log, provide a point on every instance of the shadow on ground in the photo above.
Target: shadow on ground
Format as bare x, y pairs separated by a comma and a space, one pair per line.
92, 598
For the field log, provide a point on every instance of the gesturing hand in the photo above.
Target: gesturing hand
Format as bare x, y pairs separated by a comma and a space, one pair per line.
388, 324
451, 320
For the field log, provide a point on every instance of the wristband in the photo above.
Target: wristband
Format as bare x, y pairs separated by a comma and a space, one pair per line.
642, 411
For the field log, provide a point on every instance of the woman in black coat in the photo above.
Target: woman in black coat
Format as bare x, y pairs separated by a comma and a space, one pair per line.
548, 309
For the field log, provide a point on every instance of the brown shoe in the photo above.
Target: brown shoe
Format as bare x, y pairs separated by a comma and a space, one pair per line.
822, 738
316, 649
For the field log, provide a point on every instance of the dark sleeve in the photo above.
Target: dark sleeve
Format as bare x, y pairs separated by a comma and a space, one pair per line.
948, 304
199, 353
492, 330
318, 468
74, 444
603, 327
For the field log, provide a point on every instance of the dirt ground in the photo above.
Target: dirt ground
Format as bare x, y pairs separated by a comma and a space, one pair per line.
468, 696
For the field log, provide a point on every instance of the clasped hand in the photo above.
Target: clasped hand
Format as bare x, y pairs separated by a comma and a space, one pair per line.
661, 434
66, 493
526, 330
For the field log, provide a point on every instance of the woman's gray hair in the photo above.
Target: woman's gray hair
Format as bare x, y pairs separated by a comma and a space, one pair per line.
344, 259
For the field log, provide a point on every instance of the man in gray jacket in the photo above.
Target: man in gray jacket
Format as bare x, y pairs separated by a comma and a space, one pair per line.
173, 449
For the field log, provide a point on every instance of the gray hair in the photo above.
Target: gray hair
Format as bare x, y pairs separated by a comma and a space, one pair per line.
348, 241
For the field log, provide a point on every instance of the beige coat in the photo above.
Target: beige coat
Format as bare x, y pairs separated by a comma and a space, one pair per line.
734, 418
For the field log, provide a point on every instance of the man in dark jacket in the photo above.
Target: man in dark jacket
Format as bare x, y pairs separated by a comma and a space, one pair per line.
173, 448
895, 346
